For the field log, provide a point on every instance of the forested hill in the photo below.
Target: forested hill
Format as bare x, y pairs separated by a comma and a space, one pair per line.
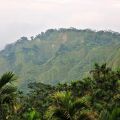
60, 55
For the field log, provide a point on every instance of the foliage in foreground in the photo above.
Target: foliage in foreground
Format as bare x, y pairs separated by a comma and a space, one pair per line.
94, 98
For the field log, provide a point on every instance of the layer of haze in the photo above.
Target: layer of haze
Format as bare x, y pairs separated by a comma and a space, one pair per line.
29, 17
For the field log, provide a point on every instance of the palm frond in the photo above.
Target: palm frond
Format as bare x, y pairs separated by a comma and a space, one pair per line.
104, 115
7, 78
8, 98
8, 89
62, 97
86, 115
115, 115
54, 112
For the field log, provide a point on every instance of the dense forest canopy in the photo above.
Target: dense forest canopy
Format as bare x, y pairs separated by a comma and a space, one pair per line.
96, 97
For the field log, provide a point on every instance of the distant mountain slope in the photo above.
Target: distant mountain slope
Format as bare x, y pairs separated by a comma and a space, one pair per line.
60, 55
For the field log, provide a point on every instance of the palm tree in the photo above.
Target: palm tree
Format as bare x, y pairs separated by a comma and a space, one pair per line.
66, 107
105, 86
100, 71
7, 92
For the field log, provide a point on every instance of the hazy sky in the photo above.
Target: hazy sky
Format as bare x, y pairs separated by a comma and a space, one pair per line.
30, 17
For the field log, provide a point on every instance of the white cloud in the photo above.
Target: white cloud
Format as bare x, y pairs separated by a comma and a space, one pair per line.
29, 17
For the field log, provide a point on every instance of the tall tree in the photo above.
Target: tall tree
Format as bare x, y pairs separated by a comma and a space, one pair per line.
7, 93
66, 107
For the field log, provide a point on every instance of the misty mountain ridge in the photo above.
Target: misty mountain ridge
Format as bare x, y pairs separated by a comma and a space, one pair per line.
60, 55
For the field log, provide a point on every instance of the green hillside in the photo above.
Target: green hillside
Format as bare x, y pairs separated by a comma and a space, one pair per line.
60, 55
